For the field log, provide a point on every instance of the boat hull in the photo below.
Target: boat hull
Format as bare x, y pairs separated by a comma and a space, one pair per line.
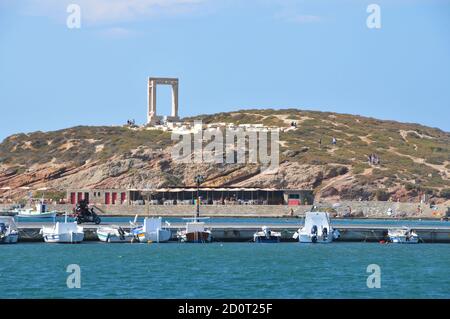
404, 240
64, 238
9, 239
109, 237
40, 215
196, 237
308, 239
266, 239
158, 236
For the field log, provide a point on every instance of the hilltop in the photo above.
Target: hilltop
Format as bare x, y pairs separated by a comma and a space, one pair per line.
414, 159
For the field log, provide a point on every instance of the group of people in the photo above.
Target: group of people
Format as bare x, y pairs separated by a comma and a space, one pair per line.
374, 159
131, 122
294, 124
333, 141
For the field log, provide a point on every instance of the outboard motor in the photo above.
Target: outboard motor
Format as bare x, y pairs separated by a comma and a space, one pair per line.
266, 231
336, 234
314, 234
121, 233
324, 234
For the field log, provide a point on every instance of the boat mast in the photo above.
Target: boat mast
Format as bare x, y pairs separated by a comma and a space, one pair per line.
198, 180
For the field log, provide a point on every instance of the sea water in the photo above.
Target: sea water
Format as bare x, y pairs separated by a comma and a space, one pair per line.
224, 270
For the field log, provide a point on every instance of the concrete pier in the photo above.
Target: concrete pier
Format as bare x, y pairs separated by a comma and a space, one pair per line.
243, 232
366, 209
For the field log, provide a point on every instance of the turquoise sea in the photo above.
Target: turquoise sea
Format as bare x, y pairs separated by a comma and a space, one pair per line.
224, 270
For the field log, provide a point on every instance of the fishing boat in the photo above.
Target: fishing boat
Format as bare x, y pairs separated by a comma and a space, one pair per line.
114, 234
195, 232
151, 231
63, 232
40, 211
403, 235
266, 236
317, 229
8, 230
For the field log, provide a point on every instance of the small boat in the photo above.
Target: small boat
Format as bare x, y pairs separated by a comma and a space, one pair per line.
40, 211
317, 229
114, 234
63, 232
195, 232
8, 230
402, 235
266, 236
151, 231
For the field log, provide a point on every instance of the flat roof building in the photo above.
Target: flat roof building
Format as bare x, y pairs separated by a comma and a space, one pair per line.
187, 196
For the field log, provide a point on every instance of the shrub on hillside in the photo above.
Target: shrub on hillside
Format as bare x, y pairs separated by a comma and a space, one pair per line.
445, 193
382, 195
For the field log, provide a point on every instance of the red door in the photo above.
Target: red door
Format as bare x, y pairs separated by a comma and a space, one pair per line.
114, 198
73, 198
123, 197
80, 197
107, 198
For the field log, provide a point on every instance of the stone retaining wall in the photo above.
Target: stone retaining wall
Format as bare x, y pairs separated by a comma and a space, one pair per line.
371, 209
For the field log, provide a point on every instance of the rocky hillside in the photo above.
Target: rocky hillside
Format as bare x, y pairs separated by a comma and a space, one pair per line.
413, 159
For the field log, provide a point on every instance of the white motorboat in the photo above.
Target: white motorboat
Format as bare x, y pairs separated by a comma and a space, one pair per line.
151, 231
114, 234
195, 232
266, 236
40, 211
317, 229
63, 232
8, 230
402, 235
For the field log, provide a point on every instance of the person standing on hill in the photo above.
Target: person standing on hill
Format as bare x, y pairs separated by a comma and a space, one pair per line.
334, 141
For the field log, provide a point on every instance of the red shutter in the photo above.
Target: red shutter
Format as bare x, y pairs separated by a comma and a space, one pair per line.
73, 199
293, 202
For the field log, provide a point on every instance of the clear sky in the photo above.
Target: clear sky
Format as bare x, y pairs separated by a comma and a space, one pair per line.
228, 55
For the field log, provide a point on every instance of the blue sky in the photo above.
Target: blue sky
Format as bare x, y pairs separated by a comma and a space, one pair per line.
228, 55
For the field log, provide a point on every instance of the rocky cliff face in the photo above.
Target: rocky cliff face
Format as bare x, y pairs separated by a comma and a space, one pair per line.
413, 159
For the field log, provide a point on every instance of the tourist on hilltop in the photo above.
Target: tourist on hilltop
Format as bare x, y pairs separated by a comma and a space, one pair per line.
334, 141
320, 143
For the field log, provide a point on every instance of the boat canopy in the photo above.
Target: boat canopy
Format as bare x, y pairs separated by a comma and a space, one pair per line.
9, 221
62, 228
151, 224
195, 227
320, 219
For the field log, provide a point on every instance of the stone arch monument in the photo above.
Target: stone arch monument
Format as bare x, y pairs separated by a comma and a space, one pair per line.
152, 117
